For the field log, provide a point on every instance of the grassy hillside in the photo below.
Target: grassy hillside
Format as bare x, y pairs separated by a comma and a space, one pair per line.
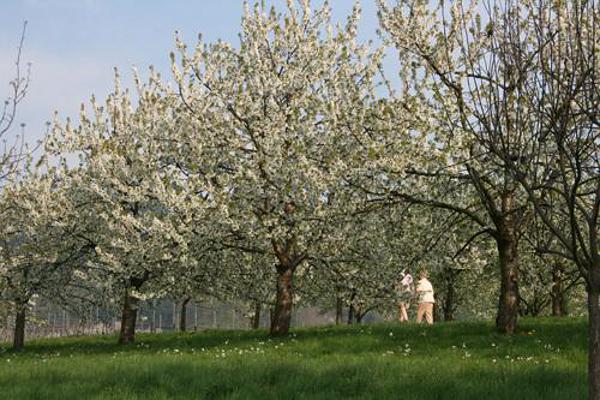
546, 360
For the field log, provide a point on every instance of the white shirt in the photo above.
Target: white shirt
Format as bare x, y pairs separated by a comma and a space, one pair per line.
425, 291
405, 284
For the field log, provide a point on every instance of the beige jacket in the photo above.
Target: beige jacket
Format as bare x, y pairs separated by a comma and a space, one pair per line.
425, 291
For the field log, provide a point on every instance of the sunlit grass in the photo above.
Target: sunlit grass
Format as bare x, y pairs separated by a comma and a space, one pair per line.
545, 360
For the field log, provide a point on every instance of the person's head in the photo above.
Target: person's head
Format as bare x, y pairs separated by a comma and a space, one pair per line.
424, 274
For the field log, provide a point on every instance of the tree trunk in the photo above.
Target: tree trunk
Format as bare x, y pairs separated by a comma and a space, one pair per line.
282, 315
128, 318
153, 320
183, 314
594, 343
339, 310
350, 314
351, 310
508, 304
449, 300
558, 297
359, 317
19, 334
437, 313
256, 317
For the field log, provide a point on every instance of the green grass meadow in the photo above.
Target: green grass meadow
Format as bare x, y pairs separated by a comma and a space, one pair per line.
545, 360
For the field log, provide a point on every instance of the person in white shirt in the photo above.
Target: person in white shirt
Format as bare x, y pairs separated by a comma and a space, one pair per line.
426, 298
404, 291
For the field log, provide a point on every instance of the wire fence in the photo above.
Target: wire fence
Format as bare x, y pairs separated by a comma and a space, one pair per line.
46, 320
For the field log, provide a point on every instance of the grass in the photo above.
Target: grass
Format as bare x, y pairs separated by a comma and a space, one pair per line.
546, 360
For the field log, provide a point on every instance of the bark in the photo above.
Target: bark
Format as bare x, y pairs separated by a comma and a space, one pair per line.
350, 314
594, 343
339, 310
256, 316
450, 298
282, 315
359, 317
128, 318
19, 333
351, 309
559, 308
508, 304
183, 314
437, 313
153, 322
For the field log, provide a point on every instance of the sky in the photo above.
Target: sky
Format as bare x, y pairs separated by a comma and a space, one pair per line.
73, 45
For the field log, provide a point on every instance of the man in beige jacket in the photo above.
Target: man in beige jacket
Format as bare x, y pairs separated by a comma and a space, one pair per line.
426, 298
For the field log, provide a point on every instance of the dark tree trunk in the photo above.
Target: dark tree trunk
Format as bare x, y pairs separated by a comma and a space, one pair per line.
594, 343
559, 308
437, 312
128, 318
351, 310
350, 314
256, 317
153, 322
19, 333
508, 304
450, 298
183, 314
339, 310
282, 315
359, 317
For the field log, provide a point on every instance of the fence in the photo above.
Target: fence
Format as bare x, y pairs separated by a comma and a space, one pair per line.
49, 320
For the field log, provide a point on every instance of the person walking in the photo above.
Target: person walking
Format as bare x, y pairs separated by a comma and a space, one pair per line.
404, 291
426, 298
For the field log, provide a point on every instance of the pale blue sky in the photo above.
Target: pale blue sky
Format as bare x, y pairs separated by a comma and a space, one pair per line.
73, 45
